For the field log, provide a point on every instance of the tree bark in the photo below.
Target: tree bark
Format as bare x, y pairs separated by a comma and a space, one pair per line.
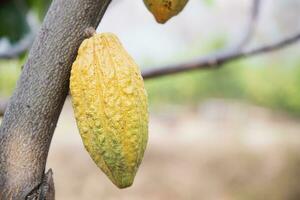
31, 116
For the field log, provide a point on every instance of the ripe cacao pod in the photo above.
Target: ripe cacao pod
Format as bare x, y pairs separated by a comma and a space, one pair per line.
163, 10
110, 106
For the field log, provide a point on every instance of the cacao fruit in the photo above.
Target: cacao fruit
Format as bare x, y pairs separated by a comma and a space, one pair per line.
110, 106
163, 10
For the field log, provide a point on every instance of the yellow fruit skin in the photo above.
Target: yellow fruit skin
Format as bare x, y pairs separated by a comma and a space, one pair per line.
110, 106
163, 10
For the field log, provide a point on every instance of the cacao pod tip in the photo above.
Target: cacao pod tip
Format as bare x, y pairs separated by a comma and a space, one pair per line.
161, 20
122, 179
124, 183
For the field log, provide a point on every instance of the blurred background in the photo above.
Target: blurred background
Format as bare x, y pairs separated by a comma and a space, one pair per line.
226, 134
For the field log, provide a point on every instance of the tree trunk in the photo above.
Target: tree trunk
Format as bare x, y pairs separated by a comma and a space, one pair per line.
31, 116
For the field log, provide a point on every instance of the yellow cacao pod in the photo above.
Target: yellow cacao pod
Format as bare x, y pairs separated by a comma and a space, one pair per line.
163, 10
110, 106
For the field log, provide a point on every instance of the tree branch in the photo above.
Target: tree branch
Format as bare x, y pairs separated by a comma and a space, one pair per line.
32, 113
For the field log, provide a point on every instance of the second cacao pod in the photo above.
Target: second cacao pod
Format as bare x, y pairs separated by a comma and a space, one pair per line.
163, 10
110, 105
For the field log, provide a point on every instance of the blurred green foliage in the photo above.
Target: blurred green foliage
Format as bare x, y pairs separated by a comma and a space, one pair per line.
276, 86
13, 21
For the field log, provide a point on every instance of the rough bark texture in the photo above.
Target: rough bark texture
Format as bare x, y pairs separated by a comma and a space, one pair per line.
33, 111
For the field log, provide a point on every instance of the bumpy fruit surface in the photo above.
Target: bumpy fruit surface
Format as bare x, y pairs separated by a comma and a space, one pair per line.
163, 10
110, 105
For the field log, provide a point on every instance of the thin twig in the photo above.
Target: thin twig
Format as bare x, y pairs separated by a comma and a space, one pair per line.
247, 33
213, 62
251, 27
